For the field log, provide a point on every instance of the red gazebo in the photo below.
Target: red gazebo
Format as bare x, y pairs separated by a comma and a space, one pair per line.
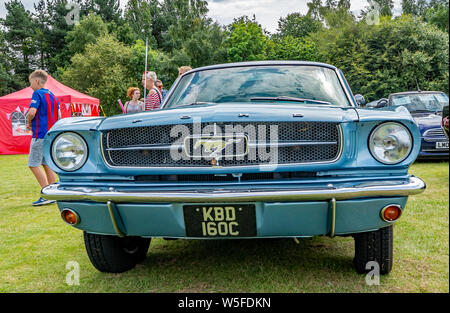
14, 139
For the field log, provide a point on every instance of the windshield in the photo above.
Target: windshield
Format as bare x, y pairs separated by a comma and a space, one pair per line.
251, 83
431, 102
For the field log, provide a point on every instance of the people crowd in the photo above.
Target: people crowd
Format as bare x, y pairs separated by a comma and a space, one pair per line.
155, 93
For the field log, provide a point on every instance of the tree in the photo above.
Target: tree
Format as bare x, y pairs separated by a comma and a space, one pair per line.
438, 14
385, 6
108, 10
247, 41
18, 38
91, 28
293, 48
381, 59
297, 25
104, 70
139, 15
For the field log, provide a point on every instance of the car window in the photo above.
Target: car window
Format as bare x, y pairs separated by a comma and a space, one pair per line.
421, 102
241, 84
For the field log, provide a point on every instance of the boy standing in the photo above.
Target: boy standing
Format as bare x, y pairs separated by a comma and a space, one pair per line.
43, 113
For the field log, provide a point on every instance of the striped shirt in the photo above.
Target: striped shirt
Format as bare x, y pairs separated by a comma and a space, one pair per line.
153, 100
47, 107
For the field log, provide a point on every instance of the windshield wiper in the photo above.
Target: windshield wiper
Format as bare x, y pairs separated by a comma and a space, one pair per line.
284, 98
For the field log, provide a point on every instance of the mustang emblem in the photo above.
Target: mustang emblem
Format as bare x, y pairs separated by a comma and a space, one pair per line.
215, 146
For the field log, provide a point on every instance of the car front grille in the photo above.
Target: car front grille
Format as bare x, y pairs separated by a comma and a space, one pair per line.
434, 132
267, 144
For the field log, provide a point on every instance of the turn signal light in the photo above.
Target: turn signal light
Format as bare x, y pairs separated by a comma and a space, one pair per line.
391, 213
70, 217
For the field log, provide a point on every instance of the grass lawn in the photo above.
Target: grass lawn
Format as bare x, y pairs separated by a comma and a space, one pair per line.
35, 246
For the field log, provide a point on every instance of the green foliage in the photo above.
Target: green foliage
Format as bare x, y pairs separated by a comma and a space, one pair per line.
297, 25
380, 59
18, 38
292, 48
103, 71
108, 10
89, 29
247, 41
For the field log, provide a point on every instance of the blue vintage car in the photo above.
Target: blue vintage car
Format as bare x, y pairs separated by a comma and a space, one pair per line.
244, 150
426, 109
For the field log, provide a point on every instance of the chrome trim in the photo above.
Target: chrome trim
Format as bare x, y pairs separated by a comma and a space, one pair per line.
293, 144
147, 147
333, 217
435, 132
253, 145
349, 97
384, 209
112, 214
231, 168
399, 188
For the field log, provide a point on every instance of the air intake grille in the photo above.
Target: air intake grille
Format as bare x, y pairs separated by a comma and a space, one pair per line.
268, 143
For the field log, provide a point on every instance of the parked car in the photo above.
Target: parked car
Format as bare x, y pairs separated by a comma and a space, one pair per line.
243, 150
426, 108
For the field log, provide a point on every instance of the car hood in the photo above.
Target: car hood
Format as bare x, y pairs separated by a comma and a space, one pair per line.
235, 112
427, 119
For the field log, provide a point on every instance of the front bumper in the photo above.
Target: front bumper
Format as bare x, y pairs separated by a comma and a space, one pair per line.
392, 188
303, 211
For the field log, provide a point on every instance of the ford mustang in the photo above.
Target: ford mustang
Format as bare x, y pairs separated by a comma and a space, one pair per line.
243, 150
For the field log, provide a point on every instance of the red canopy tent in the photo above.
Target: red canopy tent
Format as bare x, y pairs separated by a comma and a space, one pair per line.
14, 139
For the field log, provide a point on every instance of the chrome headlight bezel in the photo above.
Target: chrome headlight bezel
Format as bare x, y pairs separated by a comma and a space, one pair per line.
371, 143
83, 145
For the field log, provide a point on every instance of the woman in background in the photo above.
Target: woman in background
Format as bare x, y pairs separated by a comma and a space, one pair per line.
134, 105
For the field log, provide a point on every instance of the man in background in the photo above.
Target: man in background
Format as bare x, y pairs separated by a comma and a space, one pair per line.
44, 112
183, 70
154, 97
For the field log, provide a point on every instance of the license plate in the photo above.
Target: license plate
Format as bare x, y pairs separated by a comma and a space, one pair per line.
442, 145
237, 220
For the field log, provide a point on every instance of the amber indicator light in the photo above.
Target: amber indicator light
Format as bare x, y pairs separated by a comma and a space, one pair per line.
391, 213
70, 217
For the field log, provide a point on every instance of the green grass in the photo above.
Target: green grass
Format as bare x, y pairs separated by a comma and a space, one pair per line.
35, 246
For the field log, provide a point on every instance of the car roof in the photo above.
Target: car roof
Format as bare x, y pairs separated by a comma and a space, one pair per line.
261, 63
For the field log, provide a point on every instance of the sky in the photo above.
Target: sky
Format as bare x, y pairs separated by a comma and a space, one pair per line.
267, 12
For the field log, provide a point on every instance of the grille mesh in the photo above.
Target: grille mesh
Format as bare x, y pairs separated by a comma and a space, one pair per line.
259, 132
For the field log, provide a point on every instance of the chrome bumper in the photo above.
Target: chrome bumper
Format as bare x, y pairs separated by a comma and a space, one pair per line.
393, 188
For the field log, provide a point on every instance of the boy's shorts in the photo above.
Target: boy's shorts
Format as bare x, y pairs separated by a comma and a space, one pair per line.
36, 157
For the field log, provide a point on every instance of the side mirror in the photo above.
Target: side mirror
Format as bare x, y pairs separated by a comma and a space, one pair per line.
382, 103
360, 101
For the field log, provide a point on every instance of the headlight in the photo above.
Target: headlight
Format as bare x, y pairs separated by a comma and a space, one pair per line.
390, 143
69, 151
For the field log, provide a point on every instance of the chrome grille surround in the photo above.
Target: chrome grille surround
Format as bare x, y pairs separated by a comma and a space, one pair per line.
149, 147
434, 132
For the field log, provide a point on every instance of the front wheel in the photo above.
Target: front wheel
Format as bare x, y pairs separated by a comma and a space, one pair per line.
113, 254
376, 246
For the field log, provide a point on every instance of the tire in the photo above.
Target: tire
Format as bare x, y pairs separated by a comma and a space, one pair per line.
374, 246
111, 254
